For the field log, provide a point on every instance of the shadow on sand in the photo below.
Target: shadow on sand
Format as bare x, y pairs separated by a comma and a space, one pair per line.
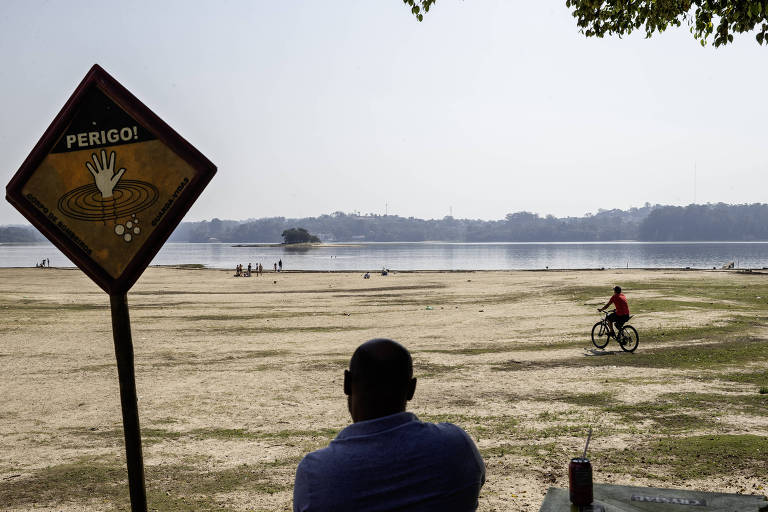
592, 352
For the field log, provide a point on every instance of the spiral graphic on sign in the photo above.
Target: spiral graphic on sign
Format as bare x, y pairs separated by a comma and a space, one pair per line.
128, 198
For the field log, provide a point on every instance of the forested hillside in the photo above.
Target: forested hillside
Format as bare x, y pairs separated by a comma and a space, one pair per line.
706, 222
17, 234
342, 227
710, 222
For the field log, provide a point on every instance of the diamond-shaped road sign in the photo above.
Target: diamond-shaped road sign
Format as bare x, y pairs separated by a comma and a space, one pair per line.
108, 182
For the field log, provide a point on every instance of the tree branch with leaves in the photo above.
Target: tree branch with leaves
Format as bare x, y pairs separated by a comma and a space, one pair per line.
719, 19
715, 19
419, 7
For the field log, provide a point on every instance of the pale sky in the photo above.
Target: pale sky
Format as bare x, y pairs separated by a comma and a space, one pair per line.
487, 107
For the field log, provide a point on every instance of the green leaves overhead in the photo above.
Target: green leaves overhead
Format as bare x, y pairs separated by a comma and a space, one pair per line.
715, 19
419, 6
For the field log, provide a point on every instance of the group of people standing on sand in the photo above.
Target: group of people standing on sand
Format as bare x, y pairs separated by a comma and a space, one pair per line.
258, 269
46, 263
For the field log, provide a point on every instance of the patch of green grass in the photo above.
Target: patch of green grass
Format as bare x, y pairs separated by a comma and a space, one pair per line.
513, 365
480, 427
256, 315
599, 399
735, 325
238, 433
673, 412
81, 481
165, 359
98, 367
249, 330
220, 318
714, 294
558, 430
579, 342
397, 299
423, 369
763, 390
666, 413
538, 452
331, 364
550, 416
178, 488
47, 308
463, 402
686, 458
153, 435
469, 351
732, 352
114, 435
758, 377
165, 421
715, 404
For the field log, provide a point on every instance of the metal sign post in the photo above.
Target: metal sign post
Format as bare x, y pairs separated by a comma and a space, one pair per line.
107, 184
121, 332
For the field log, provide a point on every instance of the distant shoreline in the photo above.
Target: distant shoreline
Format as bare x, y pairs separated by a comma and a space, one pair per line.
298, 246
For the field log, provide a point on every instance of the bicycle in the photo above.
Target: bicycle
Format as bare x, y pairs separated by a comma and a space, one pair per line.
625, 335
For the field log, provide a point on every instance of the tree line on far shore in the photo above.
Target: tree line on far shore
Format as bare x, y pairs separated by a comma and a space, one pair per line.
701, 222
709, 222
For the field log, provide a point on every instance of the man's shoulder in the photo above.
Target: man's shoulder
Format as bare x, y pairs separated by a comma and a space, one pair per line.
416, 434
444, 430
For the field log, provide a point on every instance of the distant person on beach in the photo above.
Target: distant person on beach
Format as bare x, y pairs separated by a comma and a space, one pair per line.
280, 265
388, 459
249, 268
621, 315
260, 269
275, 267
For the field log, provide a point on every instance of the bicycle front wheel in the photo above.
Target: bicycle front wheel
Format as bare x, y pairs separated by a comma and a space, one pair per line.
599, 335
628, 338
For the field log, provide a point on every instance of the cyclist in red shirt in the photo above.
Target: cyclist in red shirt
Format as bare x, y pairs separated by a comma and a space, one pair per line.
621, 314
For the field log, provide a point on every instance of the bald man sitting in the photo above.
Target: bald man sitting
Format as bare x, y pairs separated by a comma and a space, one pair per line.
388, 459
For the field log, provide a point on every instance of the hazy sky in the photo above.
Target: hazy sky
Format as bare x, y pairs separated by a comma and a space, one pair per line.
487, 107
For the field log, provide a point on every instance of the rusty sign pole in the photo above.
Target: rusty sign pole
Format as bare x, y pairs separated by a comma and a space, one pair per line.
121, 332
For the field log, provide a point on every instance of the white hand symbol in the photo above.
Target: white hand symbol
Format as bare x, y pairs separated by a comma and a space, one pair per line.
104, 173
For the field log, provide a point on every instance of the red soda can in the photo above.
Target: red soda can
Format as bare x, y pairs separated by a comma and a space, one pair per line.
580, 481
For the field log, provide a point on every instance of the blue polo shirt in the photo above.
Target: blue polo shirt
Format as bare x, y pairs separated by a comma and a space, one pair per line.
392, 463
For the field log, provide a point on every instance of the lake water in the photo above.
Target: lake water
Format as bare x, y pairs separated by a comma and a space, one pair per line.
437, 256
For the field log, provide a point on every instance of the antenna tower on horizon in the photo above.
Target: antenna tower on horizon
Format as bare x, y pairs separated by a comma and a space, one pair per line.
694, 182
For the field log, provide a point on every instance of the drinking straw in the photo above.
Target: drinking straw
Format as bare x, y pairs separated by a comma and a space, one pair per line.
586, 445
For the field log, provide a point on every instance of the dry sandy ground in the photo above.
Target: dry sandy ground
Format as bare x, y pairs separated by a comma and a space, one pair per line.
238, 378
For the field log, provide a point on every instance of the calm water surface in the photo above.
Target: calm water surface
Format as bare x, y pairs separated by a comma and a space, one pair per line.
436, 256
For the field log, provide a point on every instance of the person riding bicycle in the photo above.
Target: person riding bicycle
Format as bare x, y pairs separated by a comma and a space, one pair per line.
621, 315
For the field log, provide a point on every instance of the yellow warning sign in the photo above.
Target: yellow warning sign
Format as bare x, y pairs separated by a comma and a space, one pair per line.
109, 182
109, 200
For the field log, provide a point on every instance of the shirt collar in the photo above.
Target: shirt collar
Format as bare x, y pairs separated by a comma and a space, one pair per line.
376, 425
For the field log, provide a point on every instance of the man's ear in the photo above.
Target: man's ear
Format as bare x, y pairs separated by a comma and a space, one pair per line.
411, 389
347, 386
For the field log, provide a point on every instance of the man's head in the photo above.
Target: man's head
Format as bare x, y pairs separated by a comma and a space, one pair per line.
617, 289
380, 379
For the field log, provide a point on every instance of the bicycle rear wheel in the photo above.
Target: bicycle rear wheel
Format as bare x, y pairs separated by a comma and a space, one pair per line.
599, 335
628, 338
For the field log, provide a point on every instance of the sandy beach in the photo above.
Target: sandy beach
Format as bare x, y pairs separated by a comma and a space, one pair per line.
238, 378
